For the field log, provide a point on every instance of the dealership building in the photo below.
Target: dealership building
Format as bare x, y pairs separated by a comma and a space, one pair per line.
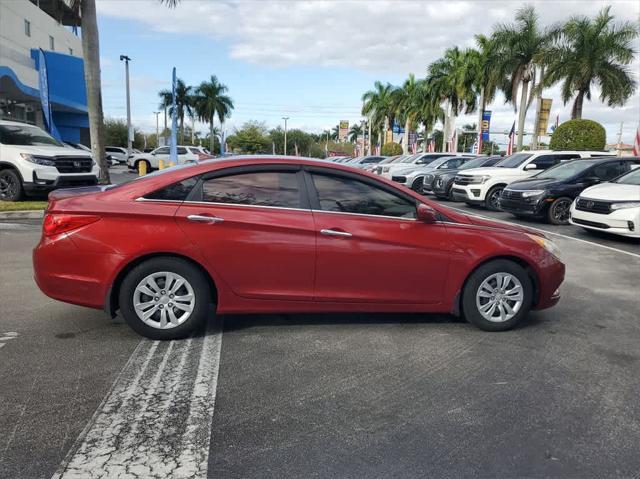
41, 51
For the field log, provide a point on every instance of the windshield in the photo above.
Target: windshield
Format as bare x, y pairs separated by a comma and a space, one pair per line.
438, 162
477, 163
631, 178
565, 170
513, 161
392, 159
26, 135
409, 159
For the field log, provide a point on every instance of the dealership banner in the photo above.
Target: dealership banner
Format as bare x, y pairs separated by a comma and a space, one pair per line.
486, 123
344, 130
43, 85
543, 116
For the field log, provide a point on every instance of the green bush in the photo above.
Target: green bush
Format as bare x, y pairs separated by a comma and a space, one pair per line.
579, 135
391, 149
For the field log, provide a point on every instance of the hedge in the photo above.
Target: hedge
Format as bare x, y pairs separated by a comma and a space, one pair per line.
391, 149
579, 135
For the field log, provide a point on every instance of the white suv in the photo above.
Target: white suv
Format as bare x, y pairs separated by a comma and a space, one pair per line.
410, 162
31, 162
483, 186
186, 154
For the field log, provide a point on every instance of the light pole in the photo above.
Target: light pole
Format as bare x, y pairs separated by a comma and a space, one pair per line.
126, 60
156, 113
285, 118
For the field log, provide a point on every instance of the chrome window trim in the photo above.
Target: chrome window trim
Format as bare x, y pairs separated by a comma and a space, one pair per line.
241, 204
365, 214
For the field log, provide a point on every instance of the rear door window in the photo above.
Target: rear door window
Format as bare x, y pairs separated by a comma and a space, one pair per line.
260, 188
611, 170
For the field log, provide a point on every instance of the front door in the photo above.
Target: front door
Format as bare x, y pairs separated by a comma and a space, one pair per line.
255, 231
370, 247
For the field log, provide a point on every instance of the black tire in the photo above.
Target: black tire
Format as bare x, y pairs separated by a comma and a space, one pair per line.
202, 309
491, 201
470, 308
417, 185
558, 211
10, 186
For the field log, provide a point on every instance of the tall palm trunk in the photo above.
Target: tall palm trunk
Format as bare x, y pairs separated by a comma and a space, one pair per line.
523, 113
212, 141
445, 126
91, 52
384, 131
405, 137
576, 111
181, 129
480, 114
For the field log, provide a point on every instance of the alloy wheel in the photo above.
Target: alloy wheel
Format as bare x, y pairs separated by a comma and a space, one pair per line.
494, 200
8, 187
499, 297
163, 300
560, 211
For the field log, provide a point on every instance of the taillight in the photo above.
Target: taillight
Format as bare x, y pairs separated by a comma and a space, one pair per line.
54, 224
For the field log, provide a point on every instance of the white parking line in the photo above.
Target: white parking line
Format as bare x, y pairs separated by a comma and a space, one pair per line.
466, 212
156, 419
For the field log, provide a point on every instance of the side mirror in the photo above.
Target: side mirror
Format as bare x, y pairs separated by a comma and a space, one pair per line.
426, 214
531, 166
153, 153
419, 162
591, 180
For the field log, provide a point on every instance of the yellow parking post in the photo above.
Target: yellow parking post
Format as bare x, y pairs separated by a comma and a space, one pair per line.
142, 168
161, 164
171, 163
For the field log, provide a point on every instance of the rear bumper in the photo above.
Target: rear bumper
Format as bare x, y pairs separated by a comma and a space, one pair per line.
65, 273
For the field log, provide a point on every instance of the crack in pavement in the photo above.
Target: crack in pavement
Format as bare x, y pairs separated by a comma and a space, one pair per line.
155, 422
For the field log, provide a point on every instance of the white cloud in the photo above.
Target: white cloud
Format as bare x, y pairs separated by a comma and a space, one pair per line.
384, 37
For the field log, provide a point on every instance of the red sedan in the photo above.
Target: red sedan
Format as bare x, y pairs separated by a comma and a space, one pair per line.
286, 235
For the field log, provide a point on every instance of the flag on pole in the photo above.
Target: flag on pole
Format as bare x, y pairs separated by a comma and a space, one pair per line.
636, 143
478, 145
512, 137
432, 146
173, 151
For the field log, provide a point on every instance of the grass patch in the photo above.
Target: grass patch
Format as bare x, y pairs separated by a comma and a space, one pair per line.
22, 205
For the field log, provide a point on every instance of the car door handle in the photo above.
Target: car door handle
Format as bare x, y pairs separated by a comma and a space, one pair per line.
335, 233
205, 219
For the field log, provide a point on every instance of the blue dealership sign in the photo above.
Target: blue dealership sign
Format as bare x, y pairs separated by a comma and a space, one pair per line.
486, 123
43, 85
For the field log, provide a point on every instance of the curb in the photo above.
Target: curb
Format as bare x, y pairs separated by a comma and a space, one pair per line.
21, 215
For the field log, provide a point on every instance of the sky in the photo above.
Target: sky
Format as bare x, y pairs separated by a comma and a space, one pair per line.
312, 60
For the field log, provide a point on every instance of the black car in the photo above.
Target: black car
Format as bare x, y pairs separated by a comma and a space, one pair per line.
443, 181
549, 194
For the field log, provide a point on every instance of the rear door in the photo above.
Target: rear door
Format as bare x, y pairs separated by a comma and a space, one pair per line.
370, 247
254, 228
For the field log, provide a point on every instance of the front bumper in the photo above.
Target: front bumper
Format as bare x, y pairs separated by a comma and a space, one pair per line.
550, 275
49, 183
524, 206
625, 222
468, 193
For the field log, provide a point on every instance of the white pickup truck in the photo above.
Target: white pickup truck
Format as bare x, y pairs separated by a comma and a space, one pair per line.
483, 186
32, 162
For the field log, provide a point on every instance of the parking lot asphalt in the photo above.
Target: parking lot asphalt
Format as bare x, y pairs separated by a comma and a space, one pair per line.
338, 395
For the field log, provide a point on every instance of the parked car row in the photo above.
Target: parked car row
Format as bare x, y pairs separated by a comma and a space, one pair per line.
594, 190
186, 154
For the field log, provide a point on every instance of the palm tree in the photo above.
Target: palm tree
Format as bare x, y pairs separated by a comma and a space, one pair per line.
354, 132
594, 52
210, 101
451, 80
184, 103
335, 133
486, 79
378, 106
518, 51
86, 10
409, 99
430, 111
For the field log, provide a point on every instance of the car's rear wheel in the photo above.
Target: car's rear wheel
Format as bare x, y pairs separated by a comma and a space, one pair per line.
497, 296
492, 202
165, 298
10, 186
558, 212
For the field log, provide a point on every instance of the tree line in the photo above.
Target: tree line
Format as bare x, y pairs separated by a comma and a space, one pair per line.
520, 59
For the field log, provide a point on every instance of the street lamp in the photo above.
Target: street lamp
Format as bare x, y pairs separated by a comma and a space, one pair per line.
126, 60
285, 118
156, 113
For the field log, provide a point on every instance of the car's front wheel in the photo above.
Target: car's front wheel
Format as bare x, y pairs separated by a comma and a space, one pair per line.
497, 296
417, 185
558, 212
10, 186
492, 202
165, 298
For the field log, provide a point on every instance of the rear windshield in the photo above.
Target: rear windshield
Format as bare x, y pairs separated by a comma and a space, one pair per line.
513, 161
26, 135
